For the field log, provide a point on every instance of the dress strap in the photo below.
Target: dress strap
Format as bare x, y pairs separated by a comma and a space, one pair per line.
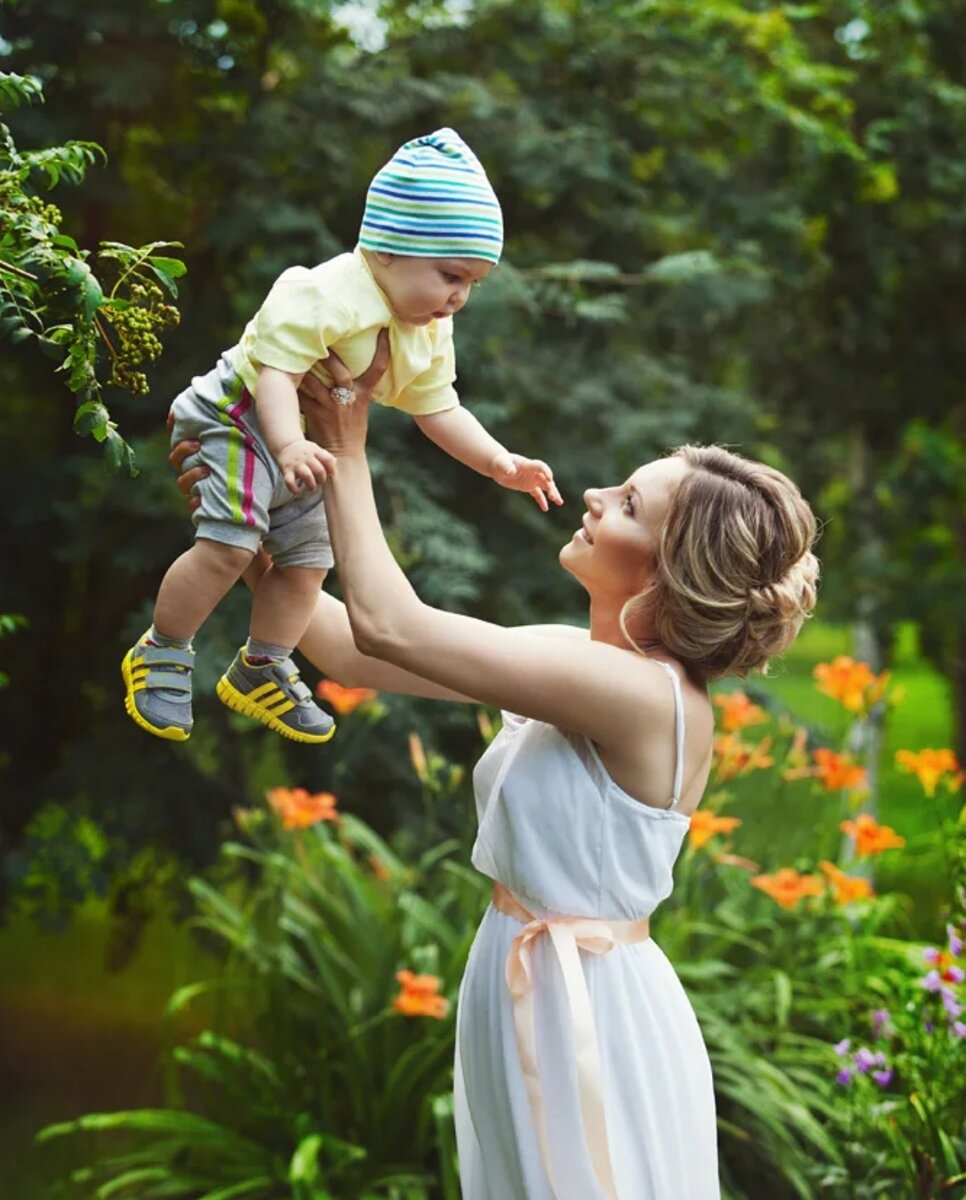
679, 732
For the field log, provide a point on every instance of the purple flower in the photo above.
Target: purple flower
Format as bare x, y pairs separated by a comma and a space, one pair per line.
928, 1026
842, 1048
884, 1077
949, 1003
864, 1060
881, 1023
931, 955
931, 981
955, 941
844, 1077
954, 974
958, 1029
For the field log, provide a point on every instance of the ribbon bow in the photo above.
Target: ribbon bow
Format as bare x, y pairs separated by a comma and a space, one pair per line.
569, 935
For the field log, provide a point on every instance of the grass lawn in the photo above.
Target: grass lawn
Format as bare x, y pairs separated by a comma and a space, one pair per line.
75, 1038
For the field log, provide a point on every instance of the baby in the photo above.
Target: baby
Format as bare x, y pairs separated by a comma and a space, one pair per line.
432, 228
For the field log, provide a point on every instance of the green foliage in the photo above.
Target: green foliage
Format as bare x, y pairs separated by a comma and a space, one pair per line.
50, 295
313, 1088
725, 222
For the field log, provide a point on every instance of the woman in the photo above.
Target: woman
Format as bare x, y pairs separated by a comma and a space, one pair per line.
581, 1073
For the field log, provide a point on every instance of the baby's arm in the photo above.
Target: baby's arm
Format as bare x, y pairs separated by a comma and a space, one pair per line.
461, 435
302, 462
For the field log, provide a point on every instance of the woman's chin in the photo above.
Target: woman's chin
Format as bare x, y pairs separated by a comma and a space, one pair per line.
567, 556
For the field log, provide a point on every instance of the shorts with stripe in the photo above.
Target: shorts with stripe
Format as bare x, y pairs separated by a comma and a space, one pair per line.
244, 500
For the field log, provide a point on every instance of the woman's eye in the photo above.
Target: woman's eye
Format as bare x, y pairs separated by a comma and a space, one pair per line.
629, 505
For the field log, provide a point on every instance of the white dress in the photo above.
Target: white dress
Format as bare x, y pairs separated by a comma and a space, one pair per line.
566, 840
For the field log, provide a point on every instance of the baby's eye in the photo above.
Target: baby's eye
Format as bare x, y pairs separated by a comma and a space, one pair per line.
449, 277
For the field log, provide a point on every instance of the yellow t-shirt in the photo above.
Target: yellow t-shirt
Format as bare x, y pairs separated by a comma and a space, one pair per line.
339, 306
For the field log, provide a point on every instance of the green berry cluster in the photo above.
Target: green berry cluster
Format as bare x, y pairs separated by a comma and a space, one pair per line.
138, 328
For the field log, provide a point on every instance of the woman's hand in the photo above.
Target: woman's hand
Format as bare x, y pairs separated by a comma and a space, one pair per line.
338, 417
186, 479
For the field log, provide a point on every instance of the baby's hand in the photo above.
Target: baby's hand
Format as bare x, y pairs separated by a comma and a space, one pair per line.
304, 464
526, 475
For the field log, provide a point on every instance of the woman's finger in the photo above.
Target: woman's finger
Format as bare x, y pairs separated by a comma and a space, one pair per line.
314, 388
182, 451
187, 480
377, 368
340, 373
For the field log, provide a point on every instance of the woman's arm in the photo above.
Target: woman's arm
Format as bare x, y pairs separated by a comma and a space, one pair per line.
592, 688
328, 644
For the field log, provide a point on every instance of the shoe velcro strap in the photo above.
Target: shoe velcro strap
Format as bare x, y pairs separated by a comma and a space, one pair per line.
167, 656
293, 686
175, 681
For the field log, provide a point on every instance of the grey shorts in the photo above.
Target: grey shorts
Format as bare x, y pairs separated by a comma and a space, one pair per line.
244, 500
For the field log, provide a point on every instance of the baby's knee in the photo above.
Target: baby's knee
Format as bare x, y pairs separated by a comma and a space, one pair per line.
302, 580
225, 558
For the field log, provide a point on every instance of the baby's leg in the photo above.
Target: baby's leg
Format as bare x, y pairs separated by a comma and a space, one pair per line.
283, 604
195, 584
263, 682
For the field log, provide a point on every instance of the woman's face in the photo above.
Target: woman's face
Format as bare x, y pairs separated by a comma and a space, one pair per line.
612, 553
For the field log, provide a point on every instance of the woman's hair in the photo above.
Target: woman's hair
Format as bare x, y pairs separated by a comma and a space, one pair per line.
734, 576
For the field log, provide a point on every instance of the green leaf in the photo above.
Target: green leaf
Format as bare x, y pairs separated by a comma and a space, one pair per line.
90, 417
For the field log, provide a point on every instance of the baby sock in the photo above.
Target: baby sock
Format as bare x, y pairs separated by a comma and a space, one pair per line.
154, 638
257, 653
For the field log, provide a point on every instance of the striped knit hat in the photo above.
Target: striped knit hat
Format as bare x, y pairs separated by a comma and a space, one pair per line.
432, 199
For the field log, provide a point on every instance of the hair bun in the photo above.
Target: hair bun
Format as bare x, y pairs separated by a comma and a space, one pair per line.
731, 524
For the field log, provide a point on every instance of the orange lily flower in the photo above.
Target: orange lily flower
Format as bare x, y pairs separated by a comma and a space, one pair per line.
837, 772
379, 868
706, 824
846, 888
870, 836
344, 699
931, 767
419, 996
735, 757
796, 758
737, 712
853, 684
787, 887
299, 809
417, 756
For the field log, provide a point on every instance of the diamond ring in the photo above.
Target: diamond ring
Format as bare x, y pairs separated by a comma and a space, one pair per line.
343, 395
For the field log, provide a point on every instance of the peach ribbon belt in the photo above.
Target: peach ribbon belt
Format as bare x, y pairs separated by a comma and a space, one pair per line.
569, 935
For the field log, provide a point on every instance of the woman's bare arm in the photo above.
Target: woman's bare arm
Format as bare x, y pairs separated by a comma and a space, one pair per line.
592, 688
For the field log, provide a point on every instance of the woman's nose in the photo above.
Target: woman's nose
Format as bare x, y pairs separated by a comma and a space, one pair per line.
592, 500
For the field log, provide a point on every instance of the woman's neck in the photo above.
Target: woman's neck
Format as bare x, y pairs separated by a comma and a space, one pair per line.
605, 626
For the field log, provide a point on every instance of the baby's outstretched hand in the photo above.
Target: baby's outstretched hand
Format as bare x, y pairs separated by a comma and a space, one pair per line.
526, 475
304, 465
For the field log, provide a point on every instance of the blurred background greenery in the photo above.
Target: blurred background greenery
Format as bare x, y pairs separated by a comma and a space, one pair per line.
726, 221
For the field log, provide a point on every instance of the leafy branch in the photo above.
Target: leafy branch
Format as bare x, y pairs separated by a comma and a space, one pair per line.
49, 294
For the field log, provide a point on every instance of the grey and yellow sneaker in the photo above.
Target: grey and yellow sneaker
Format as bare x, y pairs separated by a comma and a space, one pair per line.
273, 693
157, 680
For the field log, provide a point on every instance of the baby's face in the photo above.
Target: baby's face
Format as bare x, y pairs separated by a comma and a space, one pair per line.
421, 290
